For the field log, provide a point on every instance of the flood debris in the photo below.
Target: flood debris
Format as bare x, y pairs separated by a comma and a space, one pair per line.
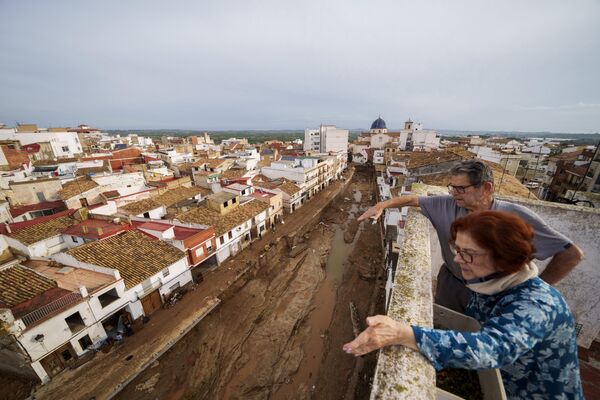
355, 320
279, 332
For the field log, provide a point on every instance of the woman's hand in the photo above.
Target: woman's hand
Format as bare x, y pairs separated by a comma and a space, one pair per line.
382, 331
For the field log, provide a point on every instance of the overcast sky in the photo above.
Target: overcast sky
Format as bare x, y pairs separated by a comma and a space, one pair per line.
214, 65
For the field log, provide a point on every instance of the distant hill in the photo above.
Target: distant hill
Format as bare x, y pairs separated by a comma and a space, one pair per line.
258, 136
253, 136
574, 138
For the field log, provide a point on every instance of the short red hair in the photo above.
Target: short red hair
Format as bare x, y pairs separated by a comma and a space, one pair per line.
505, 235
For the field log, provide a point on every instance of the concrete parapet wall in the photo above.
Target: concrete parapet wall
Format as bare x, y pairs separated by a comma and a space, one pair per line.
403, 373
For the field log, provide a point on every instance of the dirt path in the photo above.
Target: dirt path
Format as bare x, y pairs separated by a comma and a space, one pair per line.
278, 333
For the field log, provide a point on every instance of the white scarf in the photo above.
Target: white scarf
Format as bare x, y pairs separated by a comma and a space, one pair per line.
498, 285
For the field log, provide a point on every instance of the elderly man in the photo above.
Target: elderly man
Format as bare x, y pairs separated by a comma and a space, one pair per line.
472, 189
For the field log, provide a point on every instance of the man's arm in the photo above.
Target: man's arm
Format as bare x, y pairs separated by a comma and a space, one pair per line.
396, 202
561, 264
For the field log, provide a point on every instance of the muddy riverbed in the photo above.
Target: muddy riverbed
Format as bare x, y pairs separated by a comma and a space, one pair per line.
278, 333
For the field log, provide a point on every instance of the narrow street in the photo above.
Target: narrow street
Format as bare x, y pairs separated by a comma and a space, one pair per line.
278, 331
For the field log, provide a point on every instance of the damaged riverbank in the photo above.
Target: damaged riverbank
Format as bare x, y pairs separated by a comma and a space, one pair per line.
279, 330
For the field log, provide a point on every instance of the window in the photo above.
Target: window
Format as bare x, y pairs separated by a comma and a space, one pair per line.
199, 251
209, 247
230, 235
85, 342
66, 355
233, 201
225, 204
165, 272
74, 239
75, 322
108, 297
222, 239
65, 148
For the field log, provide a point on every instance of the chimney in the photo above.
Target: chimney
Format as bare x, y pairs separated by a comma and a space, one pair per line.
100, 231
7, 226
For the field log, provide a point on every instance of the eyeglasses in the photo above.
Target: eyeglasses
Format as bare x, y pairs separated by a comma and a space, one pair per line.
460, 189
466, 256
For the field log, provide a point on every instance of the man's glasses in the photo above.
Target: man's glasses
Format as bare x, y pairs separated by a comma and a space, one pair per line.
466, 256
460, 189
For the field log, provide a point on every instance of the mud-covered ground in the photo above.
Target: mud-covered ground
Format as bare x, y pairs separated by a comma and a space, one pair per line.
279, 333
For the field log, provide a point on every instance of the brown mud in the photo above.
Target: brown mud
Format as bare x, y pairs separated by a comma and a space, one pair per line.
278, 333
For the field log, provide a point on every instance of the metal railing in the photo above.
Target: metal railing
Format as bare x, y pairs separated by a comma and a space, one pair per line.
50, 308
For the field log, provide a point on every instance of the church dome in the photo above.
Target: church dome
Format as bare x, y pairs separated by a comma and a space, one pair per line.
378, 124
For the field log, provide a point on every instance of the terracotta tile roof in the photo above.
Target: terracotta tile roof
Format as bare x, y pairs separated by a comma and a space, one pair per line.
233, 173
289, 188
211, 162
185, 167
111, 194
176, 195
267, 184
58, 205
54, 162
92, 170
260, 178
568, 156
140, 206
135, 255
95, 229
417, 159
75, 187
19, 284
223, 223
44, 230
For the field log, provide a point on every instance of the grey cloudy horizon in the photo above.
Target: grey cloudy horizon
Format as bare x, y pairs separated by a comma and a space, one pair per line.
235, 65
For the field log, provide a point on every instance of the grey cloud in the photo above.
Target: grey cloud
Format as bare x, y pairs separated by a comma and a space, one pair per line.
276, 65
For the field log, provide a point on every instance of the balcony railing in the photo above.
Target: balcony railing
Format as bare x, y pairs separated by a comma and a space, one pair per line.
51, 308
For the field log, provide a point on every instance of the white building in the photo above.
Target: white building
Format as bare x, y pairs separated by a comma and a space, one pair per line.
40, 237
325, 139
64, 144
302, 171
425, 140
233, 222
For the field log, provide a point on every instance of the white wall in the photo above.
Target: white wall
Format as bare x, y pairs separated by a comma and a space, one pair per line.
56, 332
125, 183
333, 139
64, 144
42, 248
580, 287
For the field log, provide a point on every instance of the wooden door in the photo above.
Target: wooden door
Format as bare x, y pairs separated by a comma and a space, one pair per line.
52, 364
152, 302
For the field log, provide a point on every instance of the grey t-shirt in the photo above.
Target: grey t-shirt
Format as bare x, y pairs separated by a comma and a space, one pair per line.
442, 211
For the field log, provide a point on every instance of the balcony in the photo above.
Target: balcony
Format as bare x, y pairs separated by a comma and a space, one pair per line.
51, 308
405, 374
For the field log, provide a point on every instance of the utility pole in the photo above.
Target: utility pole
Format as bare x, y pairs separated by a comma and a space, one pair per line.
535, 170
586, 171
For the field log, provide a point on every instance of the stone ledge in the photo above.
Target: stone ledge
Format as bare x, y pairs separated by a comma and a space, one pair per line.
403, 373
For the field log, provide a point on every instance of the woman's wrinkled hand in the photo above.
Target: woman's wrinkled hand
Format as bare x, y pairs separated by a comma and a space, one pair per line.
382, 331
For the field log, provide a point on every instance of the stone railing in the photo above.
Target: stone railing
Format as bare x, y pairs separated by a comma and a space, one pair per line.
403, 373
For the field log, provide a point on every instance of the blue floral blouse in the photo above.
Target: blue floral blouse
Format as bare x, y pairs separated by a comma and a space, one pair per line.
527, 331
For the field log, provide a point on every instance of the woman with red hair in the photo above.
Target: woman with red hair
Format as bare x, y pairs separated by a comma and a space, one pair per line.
527, 329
